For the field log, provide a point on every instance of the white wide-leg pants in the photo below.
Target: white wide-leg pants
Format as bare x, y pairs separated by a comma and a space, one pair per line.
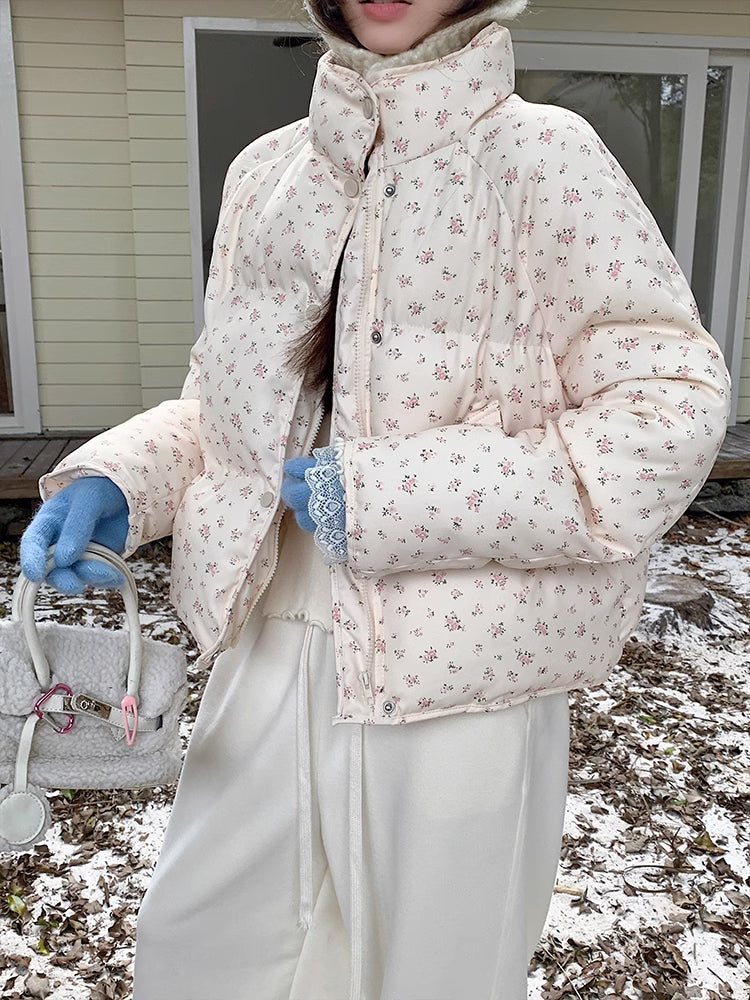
305, 861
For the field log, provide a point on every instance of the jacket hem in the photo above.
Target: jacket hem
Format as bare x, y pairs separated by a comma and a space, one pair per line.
464, 709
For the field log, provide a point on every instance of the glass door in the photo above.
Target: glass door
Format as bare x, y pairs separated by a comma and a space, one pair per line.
712, 164
722, 259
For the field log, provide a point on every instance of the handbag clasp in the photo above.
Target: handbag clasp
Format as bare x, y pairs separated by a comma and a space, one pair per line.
89, 705
41, 702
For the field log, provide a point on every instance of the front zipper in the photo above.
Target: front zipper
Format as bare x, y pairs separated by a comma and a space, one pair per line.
318, 424
274, 564
221, 645
371, 246
368, 676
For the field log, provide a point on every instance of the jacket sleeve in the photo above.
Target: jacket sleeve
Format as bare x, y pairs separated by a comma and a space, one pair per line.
646, 387
154, 456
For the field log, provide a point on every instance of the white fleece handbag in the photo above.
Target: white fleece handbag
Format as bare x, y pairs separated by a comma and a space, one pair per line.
82, 707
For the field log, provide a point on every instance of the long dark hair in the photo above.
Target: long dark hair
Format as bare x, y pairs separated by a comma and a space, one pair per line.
311, 355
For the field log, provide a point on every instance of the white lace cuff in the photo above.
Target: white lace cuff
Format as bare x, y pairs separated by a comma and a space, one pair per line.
327, 506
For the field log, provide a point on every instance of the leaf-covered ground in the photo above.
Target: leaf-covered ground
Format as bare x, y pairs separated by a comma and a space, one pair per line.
653, 895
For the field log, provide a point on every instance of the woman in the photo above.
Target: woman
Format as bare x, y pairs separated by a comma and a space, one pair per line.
522, 399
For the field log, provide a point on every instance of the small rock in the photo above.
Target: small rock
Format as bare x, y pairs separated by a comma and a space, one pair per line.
674, 589
683, 595
37, 986
727, 496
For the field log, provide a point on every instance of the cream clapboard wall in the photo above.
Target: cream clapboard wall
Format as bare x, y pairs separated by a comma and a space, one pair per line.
102, 103
70, 68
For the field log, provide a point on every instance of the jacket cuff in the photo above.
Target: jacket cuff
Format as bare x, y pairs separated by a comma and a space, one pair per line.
58, 479
327, 504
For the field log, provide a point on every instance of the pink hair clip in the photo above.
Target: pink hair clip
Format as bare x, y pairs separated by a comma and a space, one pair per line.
129, 707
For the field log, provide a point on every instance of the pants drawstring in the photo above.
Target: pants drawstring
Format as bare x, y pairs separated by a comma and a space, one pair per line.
304, 786
355, 861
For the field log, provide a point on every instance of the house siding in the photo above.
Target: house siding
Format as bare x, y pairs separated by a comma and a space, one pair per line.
102, 101
726, 18
70, 72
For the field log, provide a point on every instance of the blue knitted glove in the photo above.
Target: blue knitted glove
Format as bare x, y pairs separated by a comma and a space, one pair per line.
314, 489
92, 509
295, 491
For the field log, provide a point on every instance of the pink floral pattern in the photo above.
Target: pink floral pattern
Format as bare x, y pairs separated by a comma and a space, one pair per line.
526, 396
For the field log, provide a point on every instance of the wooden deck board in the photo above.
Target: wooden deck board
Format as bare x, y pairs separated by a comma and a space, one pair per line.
47, 459
734, 458
24, 459
7, 447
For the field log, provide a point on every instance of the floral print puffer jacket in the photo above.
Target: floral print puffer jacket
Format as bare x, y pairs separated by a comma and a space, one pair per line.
526, 394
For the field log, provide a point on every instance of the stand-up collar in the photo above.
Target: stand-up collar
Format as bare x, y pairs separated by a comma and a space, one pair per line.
416, 108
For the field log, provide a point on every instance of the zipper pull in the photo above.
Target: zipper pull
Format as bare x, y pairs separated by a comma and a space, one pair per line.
365, 678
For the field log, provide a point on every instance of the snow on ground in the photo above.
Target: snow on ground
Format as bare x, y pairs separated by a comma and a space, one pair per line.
653, 895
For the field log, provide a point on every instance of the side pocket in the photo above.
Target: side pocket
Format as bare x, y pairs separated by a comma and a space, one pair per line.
488, 415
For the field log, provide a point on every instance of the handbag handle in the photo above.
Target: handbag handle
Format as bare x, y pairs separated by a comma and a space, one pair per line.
24, 599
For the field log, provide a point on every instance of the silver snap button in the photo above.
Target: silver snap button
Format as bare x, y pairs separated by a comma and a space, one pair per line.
266, 499
376, 336
351, 187
390, 190
368, 107
389, 707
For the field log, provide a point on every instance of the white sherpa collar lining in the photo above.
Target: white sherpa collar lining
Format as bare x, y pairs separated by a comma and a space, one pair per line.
441, 43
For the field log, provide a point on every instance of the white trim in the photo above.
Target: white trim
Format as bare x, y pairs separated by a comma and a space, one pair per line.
622, 58
635, 39
14, 240
689, 177
190, 27
741, 294
247, 25
194, 171
722, 57
732, 268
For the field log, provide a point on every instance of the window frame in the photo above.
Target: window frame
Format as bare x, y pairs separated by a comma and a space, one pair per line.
730, 301
25, 418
